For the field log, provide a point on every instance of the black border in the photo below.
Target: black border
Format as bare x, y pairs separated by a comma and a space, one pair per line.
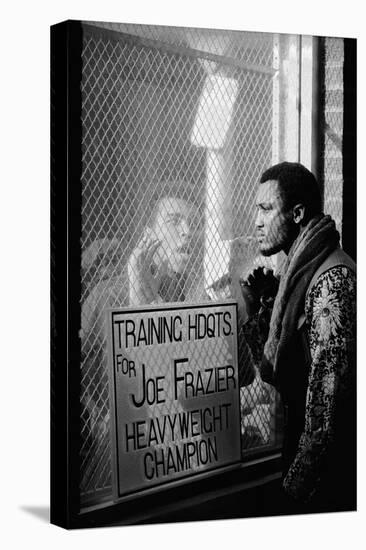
66, 165
349, 148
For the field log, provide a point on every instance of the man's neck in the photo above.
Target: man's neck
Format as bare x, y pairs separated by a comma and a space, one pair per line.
287, 249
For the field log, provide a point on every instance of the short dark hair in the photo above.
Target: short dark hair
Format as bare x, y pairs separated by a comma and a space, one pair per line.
296, 185
173, 189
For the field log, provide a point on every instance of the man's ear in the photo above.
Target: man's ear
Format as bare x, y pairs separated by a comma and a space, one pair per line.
298, 213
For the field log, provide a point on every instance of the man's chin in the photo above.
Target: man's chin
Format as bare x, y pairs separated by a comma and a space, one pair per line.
181, 269
180, 265
269, 251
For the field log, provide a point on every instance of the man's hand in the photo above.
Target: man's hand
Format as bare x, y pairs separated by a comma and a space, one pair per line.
262, 283
259, 289
143, 274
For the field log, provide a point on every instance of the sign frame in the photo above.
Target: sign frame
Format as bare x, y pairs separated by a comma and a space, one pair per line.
189, 477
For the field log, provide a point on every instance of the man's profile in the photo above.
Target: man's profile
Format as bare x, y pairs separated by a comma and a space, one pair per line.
309, 351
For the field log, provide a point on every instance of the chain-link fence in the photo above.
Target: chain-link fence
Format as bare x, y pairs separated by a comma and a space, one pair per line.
179, 113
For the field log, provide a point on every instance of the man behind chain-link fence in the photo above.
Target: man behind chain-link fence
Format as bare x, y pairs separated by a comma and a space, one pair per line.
163, 267
156, 273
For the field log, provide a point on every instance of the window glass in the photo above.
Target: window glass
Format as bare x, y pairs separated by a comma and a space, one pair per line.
177, 129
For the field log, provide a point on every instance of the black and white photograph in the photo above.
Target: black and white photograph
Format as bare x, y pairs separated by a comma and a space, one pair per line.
205, 183
182, 244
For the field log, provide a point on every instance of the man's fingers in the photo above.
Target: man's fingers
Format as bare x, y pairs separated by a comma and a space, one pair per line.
161, 270
151, 249
146, 249
141, 245
147, 236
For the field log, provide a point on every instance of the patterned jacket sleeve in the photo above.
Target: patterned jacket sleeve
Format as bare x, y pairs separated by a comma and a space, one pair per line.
330, 312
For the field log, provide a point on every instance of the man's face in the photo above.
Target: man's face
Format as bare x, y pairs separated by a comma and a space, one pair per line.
275, 229
173, 228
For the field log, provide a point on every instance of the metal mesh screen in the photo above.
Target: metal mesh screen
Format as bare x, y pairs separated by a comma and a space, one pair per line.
333, 135
161, 121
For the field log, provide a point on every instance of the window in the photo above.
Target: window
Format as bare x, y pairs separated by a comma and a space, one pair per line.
195, 115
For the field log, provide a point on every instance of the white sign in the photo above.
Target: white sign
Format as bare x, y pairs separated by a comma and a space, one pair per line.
174, 393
